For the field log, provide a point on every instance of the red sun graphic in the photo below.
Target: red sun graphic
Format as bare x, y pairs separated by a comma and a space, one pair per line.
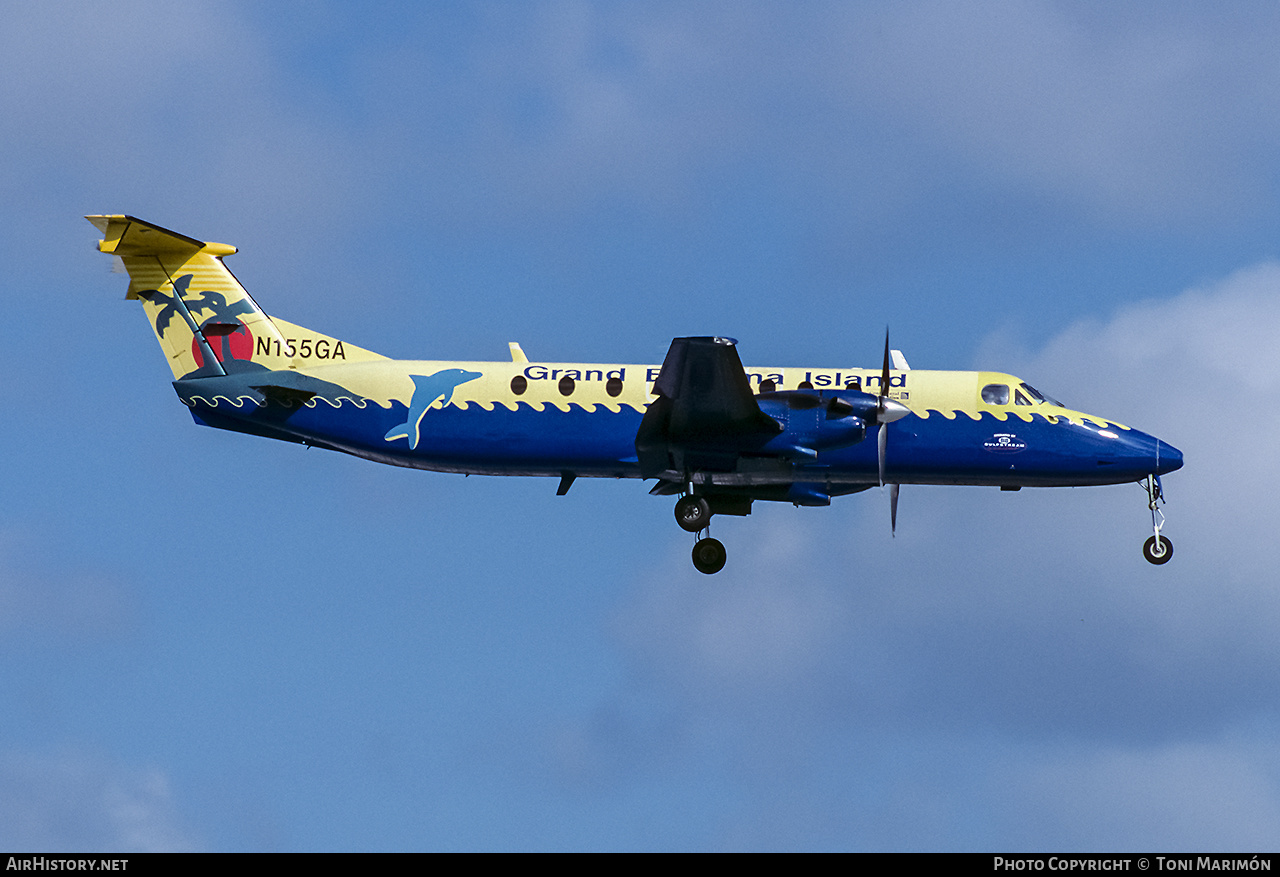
228, 342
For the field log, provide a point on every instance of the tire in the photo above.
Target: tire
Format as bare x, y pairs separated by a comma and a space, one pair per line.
1157, 555
709, 556
693, 513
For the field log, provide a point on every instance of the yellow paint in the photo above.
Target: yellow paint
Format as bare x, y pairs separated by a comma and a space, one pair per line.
157, 258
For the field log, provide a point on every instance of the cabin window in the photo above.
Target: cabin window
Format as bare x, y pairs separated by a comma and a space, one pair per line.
519, 384
996, 394
566, 386
805, 385
613, 387
768, 386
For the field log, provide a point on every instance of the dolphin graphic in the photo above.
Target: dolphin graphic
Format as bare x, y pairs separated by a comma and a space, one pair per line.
427, 389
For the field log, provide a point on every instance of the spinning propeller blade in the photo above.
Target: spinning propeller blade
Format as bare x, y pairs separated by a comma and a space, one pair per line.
882, 443
887, 411
882, 440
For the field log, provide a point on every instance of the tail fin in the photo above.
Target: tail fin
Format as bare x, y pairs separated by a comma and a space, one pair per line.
205, 321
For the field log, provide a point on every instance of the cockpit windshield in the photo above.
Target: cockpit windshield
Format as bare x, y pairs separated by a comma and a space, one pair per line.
1040, 397
1023, 394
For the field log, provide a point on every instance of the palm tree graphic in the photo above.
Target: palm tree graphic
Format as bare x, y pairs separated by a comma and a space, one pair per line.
221, 324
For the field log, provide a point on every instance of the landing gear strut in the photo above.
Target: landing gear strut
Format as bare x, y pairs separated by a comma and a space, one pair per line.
1157, 549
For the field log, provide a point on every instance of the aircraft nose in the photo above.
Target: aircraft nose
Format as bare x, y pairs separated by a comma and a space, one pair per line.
1167, 458
1135, 454
1150, 455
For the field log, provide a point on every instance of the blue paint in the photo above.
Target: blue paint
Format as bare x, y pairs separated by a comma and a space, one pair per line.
427, 390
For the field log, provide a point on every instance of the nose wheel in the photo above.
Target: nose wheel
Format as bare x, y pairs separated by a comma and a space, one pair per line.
1157, 549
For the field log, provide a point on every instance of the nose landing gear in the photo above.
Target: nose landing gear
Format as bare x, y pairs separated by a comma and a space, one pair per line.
1157, 549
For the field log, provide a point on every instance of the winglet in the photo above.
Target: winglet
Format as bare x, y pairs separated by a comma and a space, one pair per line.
899, 361
517, 355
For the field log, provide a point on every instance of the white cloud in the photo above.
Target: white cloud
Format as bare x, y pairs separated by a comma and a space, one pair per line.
1015, 636
1152, 117
558, 109
73, 803
1201, 370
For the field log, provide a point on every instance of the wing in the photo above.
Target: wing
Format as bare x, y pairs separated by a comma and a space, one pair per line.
705, 415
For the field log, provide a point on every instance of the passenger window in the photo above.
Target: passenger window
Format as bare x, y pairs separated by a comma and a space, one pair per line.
519, 384
566, 386
996, 394
768, 386
613, 387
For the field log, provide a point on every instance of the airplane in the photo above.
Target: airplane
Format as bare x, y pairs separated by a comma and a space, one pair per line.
712, 433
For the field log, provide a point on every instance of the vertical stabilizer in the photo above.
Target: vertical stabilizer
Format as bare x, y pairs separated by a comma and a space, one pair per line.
205, 321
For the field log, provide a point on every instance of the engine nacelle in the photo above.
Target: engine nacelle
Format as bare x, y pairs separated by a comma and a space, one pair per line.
817, 420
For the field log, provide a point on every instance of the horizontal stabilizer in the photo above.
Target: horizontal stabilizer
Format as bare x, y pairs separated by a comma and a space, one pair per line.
285, 395
130, 236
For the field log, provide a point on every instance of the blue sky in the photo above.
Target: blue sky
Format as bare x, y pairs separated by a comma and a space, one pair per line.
214, 642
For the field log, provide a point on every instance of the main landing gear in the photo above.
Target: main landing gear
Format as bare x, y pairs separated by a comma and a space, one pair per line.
1157, 549
693, 513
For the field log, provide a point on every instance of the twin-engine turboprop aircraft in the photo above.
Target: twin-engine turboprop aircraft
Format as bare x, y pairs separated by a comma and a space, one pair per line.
716, 435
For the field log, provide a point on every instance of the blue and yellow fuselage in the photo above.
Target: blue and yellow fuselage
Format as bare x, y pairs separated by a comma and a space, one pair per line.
521, 418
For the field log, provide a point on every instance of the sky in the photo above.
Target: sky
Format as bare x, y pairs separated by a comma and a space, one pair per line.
210, 641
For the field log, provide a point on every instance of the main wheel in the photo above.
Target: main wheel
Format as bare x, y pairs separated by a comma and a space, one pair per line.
709, 556
1157, 552
692, 513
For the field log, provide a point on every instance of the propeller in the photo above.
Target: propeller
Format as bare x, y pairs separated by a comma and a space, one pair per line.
887, 411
